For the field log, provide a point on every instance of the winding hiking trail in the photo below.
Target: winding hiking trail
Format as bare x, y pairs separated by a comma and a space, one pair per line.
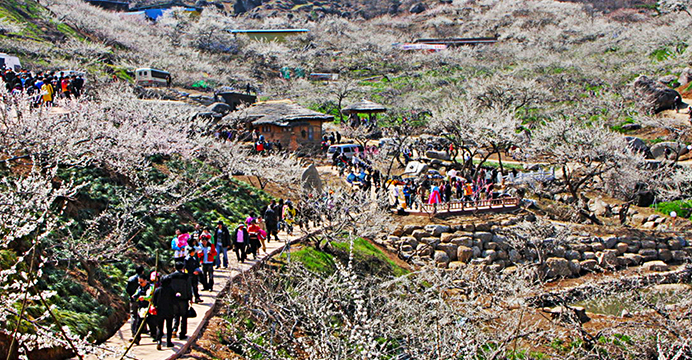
146, 350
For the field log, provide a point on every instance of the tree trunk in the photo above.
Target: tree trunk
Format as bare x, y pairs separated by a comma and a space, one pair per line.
499, 160
90, 270
261, 184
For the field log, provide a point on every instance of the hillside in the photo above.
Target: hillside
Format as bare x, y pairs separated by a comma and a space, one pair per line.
93, 186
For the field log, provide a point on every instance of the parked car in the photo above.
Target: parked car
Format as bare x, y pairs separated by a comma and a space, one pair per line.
349, 150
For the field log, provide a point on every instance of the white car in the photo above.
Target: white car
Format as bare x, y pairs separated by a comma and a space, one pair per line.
349, 150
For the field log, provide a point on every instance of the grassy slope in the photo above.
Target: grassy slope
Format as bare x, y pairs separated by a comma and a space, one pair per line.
35, 22
368, 259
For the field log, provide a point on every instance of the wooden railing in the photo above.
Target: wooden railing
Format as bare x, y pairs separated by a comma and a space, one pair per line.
460, 206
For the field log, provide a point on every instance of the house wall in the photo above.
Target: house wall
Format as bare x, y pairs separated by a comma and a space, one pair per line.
295, 136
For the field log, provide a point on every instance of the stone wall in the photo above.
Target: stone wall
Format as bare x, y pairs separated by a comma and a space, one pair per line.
454, 246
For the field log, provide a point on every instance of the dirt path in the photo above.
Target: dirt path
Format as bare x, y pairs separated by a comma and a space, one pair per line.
681, 116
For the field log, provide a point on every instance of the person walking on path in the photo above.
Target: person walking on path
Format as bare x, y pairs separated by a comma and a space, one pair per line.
250, 219
256, 238
131, 289
207, 253
142, 297
240, 241
259, 228
289, 217
178, 244
163, 302
194, 236
182, 290
271, 221
195, 272
223, 243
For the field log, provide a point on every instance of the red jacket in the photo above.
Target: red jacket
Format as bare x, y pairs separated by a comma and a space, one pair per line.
209, 251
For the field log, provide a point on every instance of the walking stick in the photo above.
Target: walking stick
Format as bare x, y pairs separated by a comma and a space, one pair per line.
144, 320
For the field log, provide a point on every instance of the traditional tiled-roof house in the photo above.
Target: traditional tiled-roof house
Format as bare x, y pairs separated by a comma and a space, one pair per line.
283, 120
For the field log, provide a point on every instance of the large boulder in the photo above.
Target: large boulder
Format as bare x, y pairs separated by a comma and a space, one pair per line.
464, 253
440, 155
656, 95
410, 241
450, 249
436, 230
557, 268
638, 145
417, 8
311, 179
220, 108
463, 241
483, 236
667, 149
415, 168
441, 257
419, 234
656, 265
607, 258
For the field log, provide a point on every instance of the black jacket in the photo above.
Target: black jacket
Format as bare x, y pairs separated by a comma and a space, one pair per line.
223, 235
181, 285
246, 237
132, 285
163, 301
270, 216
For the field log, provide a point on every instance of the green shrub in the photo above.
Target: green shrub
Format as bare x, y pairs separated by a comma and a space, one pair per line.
682, 207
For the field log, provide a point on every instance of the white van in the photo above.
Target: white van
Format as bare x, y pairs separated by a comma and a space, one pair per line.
9, 62
349, 150
152, 77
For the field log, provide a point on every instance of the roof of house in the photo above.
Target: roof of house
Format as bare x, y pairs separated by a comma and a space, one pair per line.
280, 113
364, 106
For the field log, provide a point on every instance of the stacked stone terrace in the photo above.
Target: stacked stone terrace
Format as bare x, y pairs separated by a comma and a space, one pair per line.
482, 244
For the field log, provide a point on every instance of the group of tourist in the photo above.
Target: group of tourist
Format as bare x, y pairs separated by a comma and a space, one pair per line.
260, 145
330, 139
43, 87
156, 301
264, 147
412, 193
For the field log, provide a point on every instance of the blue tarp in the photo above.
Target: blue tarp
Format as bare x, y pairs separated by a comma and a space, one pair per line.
154, 14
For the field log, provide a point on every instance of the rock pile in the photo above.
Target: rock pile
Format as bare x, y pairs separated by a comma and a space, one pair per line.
483, 244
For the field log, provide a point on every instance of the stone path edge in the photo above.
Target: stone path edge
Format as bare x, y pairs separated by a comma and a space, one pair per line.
212, 309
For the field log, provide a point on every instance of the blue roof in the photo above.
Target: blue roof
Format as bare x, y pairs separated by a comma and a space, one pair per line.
154, 14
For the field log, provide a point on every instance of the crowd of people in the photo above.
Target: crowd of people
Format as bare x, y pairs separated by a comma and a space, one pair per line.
162, 304
43, 87
260, 145
453, 187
